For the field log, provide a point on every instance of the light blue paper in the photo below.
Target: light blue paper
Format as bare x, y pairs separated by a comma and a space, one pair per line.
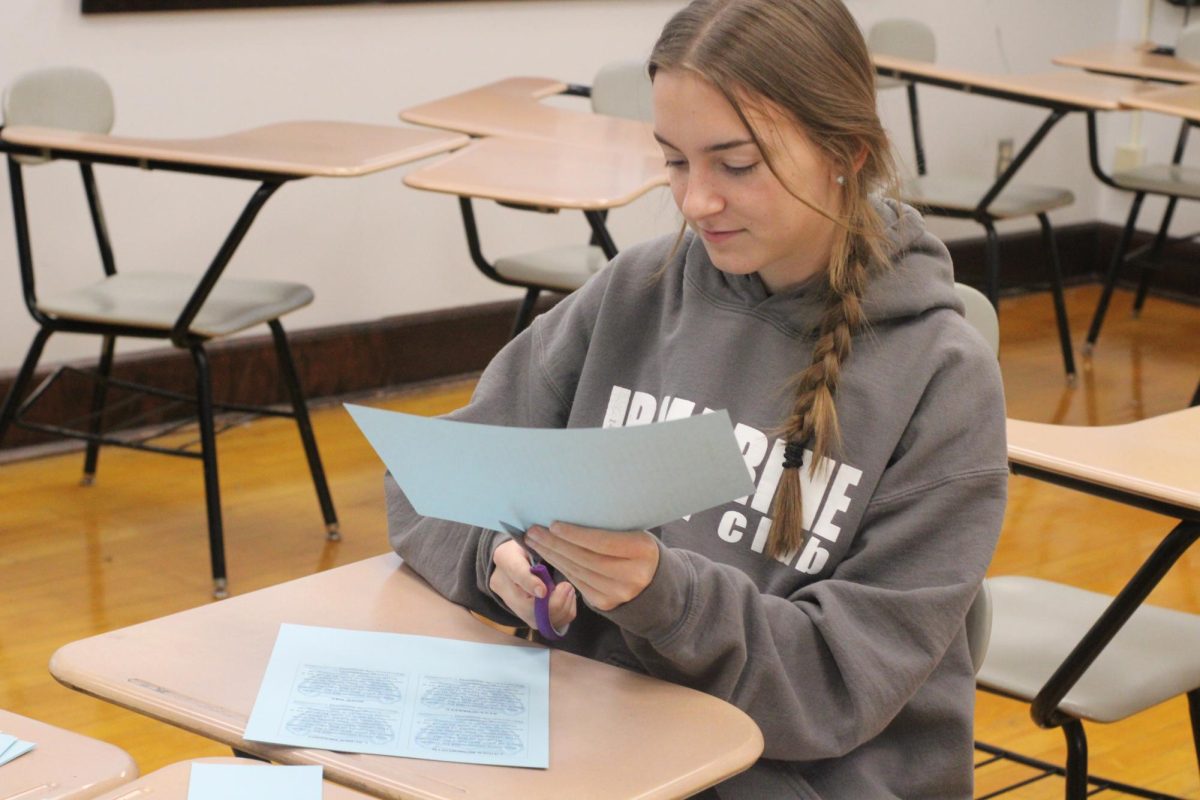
253, 782
630, 478
400, 695
11, 747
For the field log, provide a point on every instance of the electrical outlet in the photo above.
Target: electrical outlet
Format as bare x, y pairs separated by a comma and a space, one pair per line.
1004, 155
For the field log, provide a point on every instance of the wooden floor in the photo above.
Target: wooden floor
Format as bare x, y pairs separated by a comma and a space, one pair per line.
76, 561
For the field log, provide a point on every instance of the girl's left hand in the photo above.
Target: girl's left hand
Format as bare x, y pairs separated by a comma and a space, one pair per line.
607, 567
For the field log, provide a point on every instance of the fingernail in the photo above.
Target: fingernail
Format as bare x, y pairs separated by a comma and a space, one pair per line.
539, 591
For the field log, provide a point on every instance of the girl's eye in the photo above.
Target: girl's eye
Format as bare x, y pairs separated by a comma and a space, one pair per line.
676, 163
740, 170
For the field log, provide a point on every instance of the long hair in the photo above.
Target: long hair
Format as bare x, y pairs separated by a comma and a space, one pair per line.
808, 60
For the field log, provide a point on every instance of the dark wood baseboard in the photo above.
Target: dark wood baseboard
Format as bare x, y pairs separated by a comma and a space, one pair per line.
343, 360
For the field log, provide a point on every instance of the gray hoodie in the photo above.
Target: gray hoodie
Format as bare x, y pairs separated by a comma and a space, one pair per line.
852, 656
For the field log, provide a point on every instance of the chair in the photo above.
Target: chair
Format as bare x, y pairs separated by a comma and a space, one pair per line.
1172, 180
1077, 655
620, 89
982, 317
985, 200
1038, 653
188, 311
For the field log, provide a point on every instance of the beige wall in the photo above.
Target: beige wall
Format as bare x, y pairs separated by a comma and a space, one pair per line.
370, 247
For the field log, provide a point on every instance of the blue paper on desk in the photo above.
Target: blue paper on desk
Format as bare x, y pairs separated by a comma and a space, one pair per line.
254, 782
11, 747
395, 694
627, 478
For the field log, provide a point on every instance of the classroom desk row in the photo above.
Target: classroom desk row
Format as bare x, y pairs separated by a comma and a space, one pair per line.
199, 669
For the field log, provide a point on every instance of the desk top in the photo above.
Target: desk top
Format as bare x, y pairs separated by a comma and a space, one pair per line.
1179, 101
171, 783
542, 173
201, 669
63, 766
1155, 458
1132, 60
1082, 91
332, 149
512, 107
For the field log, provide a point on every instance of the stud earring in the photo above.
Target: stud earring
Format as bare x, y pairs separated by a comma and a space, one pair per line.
841, 180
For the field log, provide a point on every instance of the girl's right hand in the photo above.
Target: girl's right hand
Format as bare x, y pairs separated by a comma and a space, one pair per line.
514, 584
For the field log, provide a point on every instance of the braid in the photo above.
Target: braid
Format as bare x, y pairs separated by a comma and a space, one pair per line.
813, 421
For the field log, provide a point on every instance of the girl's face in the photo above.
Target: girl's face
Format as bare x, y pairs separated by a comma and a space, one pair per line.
746, 218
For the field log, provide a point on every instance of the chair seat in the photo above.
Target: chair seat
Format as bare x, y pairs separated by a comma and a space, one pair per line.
155, 300
1169, 179
1036, 623
564, 268
960, 193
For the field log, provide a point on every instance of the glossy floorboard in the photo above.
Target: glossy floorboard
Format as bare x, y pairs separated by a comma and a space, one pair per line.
76, 561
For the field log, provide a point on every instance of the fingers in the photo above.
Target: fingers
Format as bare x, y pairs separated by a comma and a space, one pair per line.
609, 568
517, 586
563, 606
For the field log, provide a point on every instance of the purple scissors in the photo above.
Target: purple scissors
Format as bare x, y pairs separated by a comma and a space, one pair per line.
541, 605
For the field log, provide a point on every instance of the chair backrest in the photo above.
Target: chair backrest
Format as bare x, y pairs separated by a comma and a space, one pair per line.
979, 625
981, 314
60, 97
903, 38
72, 98
623, 89
1187, 46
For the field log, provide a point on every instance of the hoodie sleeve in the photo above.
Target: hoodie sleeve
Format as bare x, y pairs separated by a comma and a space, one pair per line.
530, 383
827, 668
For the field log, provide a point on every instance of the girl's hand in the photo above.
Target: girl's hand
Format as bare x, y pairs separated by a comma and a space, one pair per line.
609, 567
514, 584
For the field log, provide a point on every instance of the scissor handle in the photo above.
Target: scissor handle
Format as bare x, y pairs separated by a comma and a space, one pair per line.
541, 605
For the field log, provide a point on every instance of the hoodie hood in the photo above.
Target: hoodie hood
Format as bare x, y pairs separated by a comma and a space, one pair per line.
919, 279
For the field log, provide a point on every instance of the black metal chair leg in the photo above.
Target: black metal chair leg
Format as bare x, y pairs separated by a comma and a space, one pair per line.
1110, 279
8, 411
1145, 272
1060, 304
98, 395
287, 367
1077, 760
212, 486
992, 261
525, 312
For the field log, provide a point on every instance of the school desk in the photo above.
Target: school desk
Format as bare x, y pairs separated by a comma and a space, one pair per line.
1152, 464
271, 155
552, 158
201, 669
543, 174
171, 783
1132, 60
513, 107
63, 765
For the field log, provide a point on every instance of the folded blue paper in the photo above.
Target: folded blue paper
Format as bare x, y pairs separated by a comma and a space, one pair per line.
11, 747
627, 478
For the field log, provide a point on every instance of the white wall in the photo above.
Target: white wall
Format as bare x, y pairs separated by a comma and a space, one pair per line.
370, 247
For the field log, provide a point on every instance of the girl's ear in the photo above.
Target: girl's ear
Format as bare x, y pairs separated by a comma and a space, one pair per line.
860, 158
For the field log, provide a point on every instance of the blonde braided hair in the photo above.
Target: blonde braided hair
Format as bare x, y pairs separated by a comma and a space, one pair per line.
808, 59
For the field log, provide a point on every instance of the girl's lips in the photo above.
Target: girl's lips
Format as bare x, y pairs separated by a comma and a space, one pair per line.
716, 237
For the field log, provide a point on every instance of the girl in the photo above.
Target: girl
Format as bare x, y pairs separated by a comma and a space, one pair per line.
830, 604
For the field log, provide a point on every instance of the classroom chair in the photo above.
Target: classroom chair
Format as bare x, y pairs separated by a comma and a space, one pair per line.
1047, 649
1174, 181
620, 89
987, 200
185, 310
